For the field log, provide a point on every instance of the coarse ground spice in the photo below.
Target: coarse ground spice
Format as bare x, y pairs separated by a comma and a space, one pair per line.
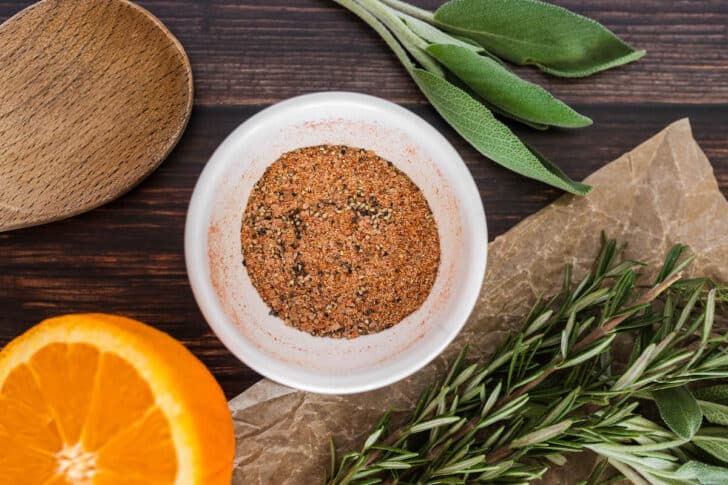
339, 242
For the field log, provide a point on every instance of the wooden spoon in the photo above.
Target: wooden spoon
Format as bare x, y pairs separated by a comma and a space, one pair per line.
94, 94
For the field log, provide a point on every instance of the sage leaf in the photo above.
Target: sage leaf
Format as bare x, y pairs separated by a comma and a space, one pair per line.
433, 35
714, 412
717, 394
679, 410
505, 114
717, 446
556, 40
473, 43
657, 477
705, 474
627, 471
477, 125
504, 89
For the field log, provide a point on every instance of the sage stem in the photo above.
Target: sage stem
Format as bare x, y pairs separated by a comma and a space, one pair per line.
412, 42
419, 13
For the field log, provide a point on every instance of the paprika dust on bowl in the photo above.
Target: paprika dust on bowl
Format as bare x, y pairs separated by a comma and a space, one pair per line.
336, 242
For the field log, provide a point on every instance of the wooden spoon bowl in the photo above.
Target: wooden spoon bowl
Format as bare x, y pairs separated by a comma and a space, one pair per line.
94, 96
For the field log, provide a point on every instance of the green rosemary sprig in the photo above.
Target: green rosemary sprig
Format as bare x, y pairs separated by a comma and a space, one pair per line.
455, 56
557, 387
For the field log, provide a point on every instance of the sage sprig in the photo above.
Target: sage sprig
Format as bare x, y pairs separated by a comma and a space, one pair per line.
455, 55
553, 38
557, 387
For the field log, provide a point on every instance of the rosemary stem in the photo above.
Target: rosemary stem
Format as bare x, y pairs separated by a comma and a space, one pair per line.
350, 474
500, 454
612, 324
404, 7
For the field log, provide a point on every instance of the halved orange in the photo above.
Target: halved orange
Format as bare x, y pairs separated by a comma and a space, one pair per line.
99, 399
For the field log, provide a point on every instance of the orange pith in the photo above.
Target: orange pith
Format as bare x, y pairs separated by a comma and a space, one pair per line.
104, 400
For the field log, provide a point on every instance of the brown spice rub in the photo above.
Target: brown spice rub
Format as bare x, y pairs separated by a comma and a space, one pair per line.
339, 242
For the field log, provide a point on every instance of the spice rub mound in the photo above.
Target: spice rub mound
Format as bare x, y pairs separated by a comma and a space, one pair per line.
339, 242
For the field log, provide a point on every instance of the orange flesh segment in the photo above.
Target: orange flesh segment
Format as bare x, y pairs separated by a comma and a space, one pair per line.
121, 398
57, 480
72, 393
106, 478
26, 418
65, 375
21, 387
23, 465
128, 454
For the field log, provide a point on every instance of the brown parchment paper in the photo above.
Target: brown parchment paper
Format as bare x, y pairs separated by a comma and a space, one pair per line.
660, 193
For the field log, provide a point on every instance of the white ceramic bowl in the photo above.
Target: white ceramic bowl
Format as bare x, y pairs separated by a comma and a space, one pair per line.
233, 307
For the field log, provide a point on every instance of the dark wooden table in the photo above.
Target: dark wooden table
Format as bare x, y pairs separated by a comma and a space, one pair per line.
127, 257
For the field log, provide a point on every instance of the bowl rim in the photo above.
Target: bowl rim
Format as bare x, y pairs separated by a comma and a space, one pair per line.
196, 240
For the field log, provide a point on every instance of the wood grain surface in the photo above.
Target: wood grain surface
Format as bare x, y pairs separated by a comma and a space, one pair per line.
95, 94
127, 256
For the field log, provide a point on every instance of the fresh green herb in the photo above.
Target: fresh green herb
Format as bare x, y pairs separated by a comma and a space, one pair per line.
559, 386
454, 55
556, 40
493, 81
